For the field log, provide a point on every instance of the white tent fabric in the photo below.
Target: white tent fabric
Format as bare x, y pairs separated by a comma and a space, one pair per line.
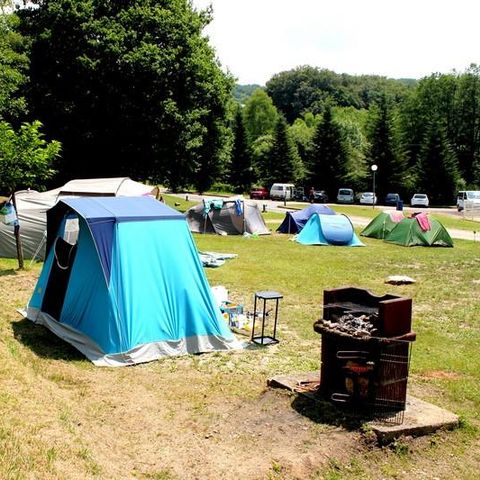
32, 207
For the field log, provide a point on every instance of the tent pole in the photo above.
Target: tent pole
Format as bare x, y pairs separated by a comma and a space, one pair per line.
16, 232
243, 214
37, 251
204, 217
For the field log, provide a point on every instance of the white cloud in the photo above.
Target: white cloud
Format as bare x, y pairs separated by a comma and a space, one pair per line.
255, 39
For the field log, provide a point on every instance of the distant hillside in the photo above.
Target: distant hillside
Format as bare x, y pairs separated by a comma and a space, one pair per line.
242, 92
307, 88
408, 81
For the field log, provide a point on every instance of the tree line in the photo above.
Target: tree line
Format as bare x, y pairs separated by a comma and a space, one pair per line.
133, 88
422, 135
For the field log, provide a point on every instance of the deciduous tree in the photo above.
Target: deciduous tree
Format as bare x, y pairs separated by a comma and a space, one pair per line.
260, 150
13, 67
307, 88
130, 88
26, 157
26, 160
260, 114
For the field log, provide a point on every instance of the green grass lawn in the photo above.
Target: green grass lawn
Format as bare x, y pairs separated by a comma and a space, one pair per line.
446, 300
445, 366
59, 413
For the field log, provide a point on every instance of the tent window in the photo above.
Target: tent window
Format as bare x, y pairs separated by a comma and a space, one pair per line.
70, 233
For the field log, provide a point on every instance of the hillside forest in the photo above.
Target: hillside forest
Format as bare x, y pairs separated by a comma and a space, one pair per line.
133, 88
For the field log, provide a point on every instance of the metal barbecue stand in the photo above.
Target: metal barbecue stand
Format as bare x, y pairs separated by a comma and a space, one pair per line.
365, 373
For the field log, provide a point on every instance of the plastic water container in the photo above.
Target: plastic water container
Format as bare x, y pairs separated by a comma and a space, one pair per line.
8, 214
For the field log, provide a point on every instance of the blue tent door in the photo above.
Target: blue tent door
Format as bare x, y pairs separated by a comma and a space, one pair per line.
64, 256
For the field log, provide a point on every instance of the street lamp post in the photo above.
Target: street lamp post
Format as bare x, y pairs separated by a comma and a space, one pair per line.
374, 169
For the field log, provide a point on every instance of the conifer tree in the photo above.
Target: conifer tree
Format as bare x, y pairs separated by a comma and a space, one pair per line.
284, 163
385, 151
329, 156
241, 169
438, 166
467, 138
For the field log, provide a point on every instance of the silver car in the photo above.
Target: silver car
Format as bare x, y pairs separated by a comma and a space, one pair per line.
367, 198
345, 195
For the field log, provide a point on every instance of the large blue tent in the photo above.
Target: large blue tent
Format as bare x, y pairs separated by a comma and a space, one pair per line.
123, 283
329, 230
295, 221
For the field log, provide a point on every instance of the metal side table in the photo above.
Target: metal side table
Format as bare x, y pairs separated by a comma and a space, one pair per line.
265, 339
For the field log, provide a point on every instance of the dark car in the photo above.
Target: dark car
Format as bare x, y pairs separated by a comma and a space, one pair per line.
392, 199
299, 194
259, 193
319, 196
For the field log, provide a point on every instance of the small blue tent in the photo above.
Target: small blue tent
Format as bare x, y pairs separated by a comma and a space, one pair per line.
123, 283
329, 230
295, 221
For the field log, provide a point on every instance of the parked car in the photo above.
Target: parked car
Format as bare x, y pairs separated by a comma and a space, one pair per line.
319, 196
345, 195
419, 200
367, 198
392, 199
299, 194
259, 193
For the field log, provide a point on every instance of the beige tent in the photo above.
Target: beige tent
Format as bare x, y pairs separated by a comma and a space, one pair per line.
32, 207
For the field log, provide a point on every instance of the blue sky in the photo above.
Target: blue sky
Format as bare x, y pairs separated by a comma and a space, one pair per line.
254, 39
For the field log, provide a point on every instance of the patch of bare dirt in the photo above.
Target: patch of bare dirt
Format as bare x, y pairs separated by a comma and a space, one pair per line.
142, 430
441, 375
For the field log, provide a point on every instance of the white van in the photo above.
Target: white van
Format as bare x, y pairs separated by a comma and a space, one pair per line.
282, 191
468, 199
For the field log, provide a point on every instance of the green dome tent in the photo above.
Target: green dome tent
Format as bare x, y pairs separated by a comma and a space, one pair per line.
409, 233
393, 227
382, 224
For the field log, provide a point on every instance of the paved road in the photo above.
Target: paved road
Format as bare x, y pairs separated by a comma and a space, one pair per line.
276, 206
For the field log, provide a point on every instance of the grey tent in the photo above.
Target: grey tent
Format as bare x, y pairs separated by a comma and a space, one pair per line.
234, 216
32, 207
